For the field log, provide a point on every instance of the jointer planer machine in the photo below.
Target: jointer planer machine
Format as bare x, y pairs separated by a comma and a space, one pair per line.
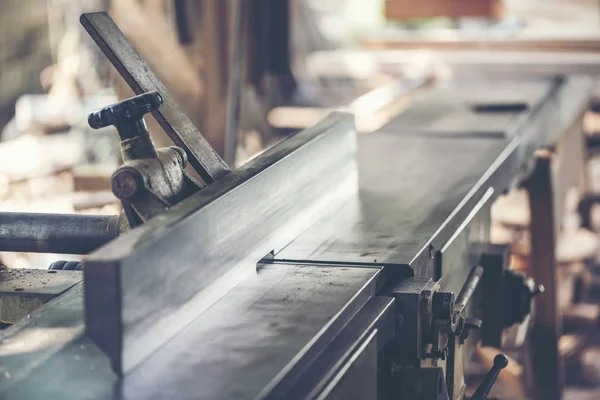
333, 265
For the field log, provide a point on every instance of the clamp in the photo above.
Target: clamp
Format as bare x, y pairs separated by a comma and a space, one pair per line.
150, 180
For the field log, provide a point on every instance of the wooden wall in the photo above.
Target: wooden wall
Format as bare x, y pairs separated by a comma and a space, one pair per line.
408, 9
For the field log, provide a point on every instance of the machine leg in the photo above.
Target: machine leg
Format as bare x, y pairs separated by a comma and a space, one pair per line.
548, 379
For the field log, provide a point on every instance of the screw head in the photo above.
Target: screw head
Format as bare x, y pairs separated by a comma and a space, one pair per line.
126, 182
538, 290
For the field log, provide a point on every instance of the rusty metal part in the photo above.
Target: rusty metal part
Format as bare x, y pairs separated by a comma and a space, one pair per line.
150, 186
128, 117
468, 289
141, 79
150, 181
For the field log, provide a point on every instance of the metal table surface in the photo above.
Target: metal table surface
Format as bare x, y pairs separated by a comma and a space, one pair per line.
272, 322
418, 184
404, 198
416, 191
450, 108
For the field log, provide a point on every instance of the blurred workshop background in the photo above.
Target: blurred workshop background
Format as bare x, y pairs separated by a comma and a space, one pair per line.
52, 76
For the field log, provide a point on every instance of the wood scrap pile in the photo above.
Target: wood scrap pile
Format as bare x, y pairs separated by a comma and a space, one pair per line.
50, 160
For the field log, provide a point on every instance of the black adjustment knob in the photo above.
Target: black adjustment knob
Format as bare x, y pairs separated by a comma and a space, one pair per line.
500, 362
519, 292
128, 115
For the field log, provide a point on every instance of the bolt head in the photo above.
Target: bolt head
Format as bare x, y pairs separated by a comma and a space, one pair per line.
182, 155
126, 182
500, 361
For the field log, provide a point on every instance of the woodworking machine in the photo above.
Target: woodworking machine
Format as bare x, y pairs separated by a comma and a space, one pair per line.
333, 265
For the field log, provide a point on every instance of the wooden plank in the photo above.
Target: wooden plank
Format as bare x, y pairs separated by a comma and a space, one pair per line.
30, 156
91, 178
406, 9
466, 42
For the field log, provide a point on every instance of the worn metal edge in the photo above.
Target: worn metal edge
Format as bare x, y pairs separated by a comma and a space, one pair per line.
33, 340
286, 380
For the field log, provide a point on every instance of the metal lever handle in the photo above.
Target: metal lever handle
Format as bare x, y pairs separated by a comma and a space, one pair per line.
468, 289
128, 117
500, 362
149, 181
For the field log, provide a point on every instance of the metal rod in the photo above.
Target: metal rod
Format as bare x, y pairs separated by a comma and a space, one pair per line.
468, 289
56, 233
500, 362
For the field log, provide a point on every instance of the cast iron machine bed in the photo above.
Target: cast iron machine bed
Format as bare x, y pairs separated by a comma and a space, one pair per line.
330, 266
